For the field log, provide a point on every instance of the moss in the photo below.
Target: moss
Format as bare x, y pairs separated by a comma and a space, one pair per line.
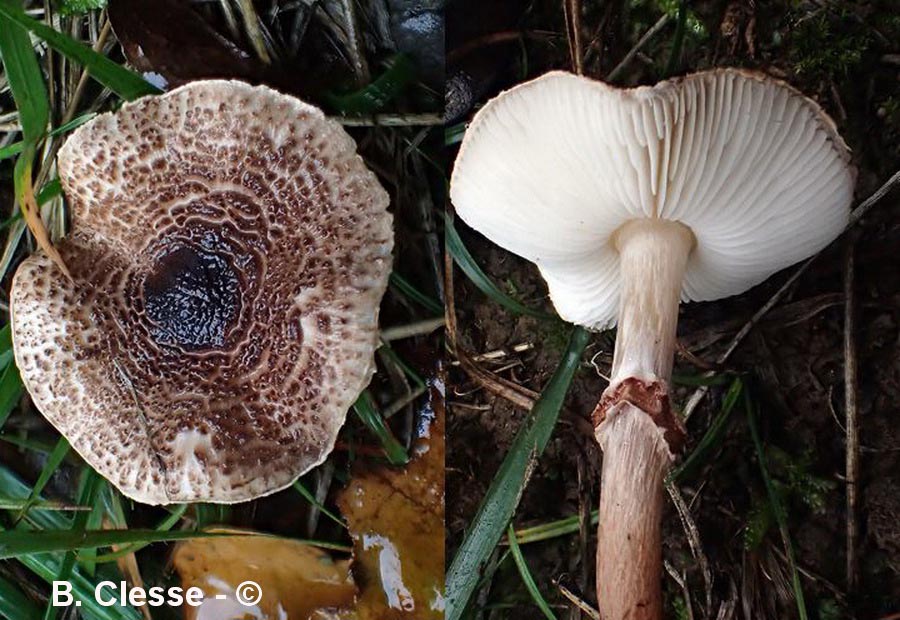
670, 7
680, 609
794, 485
78, 7
889, 110
829, 44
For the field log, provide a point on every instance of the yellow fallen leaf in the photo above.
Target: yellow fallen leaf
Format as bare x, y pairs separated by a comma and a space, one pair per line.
396, 519
298, 581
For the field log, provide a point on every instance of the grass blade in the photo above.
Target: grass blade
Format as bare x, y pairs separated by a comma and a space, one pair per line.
87, 495
56, 457
775, 502
127, 84
47, 566
25, 79
14, 603
707, 379
10, 391
454, 134
170, 521
530, 585
374, 97
15, 489
51, 189
466, 262
17, 147
12, 149
678, 42
408, 290
553, 529
29, 207
91, 495
365, 408
10, 503
6, 352
308, 496
26, 82
713, 435
19, 543
506, 489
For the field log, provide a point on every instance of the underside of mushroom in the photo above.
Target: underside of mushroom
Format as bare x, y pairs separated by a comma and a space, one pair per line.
229, 250
630, 201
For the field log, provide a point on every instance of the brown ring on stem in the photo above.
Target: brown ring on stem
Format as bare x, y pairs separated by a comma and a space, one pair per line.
650, 397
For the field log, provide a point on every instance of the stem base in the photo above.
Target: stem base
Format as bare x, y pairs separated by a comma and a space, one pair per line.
636, 458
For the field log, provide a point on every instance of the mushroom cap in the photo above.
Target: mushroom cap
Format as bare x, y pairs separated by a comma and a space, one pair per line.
552, 168
229, 250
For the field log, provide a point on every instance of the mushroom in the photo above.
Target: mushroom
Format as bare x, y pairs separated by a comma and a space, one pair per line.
228, 250
629, 201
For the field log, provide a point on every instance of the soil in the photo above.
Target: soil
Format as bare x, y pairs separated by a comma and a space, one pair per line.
843, 55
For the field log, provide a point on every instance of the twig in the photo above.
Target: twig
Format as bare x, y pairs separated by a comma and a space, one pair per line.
83, 78
389, 120
819, 580
253, 30
860, 212
578, 602
516, 394
855, 216
419, 328
681, 580
726, 609
659, 25
355, 44
498, 354
693, 537
496, 38
850, 410
572, 12
403, 401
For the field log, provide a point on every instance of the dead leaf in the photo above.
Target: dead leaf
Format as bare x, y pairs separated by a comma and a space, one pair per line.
32, 213
396, 519
168, 39
298, 581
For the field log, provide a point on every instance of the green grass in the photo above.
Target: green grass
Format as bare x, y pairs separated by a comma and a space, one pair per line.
751, 410
503, 495
713, 437
527, 579
366, 410
550, 530
469, 266
126, 84
398, 74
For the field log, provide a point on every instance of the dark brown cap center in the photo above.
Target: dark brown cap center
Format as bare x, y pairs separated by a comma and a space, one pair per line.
192, 297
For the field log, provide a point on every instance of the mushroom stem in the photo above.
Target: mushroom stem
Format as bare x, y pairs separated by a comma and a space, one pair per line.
652, 257
634, 425
636, 459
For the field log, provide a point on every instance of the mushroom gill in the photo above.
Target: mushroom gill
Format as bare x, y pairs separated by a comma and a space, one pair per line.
229, 250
